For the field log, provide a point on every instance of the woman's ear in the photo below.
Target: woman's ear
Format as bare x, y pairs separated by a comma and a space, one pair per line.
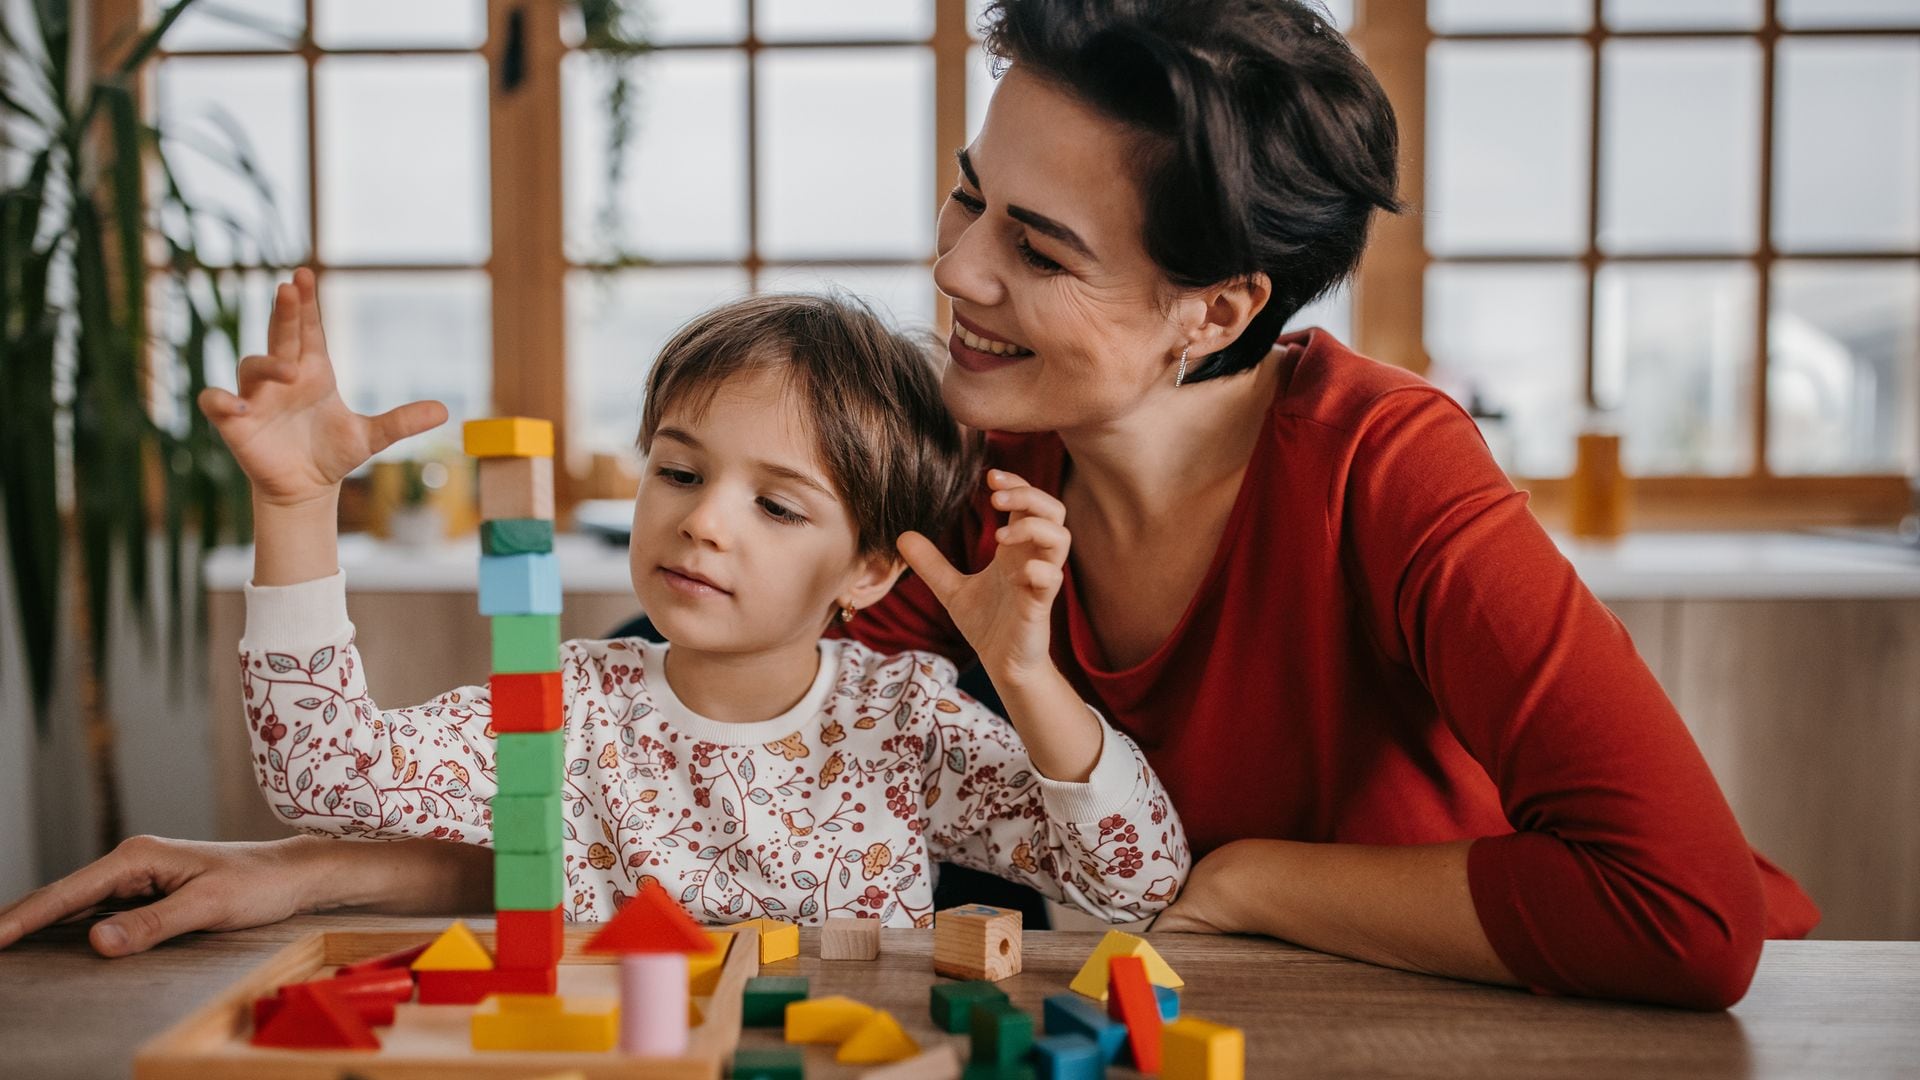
1220, 313
873, 578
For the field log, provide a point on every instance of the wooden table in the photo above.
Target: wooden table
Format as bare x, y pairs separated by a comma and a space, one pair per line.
1817, 1009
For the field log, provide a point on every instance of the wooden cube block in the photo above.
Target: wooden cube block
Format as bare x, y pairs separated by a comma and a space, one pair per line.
528, 881
975, 941
1192, 1049
765, 1000
507, 436
785, 1063
529, 764
844, 938
526, 643
526, 824
516, 536
519, 585
1068, 1057
951, 1004
528, 939
778, 940
1002, 1034
528, 701
516, 487
473, 987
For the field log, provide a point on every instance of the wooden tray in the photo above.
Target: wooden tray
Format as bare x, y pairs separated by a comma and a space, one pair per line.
429, 1042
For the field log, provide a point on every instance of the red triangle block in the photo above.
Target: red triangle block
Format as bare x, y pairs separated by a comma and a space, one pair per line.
312, 1018
403, 959
651, 923
370, 994
1130, 1000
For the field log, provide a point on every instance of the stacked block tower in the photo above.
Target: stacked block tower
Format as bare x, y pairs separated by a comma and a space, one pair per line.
520, 594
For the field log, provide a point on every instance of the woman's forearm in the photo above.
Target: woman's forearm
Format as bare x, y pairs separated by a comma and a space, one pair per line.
398, 877
1404, 907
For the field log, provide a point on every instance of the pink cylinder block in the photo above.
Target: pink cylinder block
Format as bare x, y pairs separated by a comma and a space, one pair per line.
653, 1004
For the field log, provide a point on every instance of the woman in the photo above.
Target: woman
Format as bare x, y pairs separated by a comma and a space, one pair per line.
1397, 725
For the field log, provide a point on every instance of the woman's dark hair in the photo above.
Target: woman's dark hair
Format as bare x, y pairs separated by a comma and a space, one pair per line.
1267, 143
899, 460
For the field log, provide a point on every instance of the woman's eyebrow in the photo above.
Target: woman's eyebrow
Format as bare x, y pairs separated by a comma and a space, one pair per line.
1040, 223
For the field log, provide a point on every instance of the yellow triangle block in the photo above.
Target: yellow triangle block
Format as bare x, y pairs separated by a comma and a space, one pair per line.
825, 1020
1092, 980
703, 970
879, 1041
455, 950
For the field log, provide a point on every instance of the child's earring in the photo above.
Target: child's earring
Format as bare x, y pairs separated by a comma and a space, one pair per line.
847, 612
1181, 375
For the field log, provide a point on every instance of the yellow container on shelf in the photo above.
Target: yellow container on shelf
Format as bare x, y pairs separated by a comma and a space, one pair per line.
1599, 490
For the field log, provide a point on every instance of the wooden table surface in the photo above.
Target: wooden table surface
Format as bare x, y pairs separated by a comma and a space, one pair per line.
1817, 1009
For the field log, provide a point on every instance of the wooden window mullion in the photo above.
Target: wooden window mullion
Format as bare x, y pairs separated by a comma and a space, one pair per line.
1389, 290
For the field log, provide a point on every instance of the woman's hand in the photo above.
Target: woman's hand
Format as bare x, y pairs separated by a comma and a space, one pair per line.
1006, 610
288, 428
1208, 903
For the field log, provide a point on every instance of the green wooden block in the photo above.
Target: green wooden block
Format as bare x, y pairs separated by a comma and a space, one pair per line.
516, 536
1002, 1033
982, 1070
528, 881
764, 1002
526, 823
952, 1003
783, 1064
526, 643
531, 763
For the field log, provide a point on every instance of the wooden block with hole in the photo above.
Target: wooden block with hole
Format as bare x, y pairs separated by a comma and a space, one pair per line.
975, 941
844, 938
516, 487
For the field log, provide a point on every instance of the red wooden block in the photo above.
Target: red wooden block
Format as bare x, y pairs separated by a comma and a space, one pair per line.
312, 1018
372, 995
528, 939
525, 702
1130, 1000
471, 987
403, 959
651, 923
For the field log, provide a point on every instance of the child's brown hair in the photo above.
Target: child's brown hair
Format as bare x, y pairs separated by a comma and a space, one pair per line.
898, 459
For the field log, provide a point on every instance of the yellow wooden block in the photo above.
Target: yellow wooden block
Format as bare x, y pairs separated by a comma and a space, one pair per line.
508, 436
703, 970
825, 1020
1092, 980
456, 949
778, 940
545, 1022
876, 1042
1192, 1049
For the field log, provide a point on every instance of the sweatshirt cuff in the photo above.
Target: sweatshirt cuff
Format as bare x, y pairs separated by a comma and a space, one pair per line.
1108, 790
296, 617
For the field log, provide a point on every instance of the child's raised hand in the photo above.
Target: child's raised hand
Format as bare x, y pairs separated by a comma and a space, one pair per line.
287, 427
1006, 610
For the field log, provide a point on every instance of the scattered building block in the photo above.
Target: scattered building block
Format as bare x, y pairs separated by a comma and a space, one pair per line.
1068, 1057
519, 585
402, 959
529, 764
654, 1008
778, 940
528, 881
703, 969
544, 1022
952, 1003
940, 1063
516, 488
310, 1018
1071, 1014
1092, 979
524, 702
372, 995
1002, 1033
825, 1020
507, 436
784, 1063
456, 949
975, 941
843, 938
1193, 1049
983, 1070
472, 987
1169, 1000
526, 643
1130, 1001
765, 1000
876, 1042
516, 536
527, 824
528, 939
651, 922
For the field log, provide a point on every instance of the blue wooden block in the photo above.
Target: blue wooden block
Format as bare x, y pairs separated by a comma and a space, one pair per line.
1071, 1014
1169, 1000
519, 584
1068, 1057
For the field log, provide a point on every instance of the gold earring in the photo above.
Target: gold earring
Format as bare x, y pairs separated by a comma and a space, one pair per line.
847, 612
1181, 375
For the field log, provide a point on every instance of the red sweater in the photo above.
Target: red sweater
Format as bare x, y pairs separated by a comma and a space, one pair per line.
1388, 649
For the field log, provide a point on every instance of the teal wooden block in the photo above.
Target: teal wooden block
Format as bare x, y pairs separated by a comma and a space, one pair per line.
529, 764
516, 536
764, 1001
1068, 1057
519, 585
528, 881
951, 1003
528, 824
1002, 1033
1071, 1014
523, 643
1169, 1000
782, 1064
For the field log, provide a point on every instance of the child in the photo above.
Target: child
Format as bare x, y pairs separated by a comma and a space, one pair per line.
751, 766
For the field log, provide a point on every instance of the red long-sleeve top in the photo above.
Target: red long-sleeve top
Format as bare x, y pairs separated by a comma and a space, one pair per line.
1388, 649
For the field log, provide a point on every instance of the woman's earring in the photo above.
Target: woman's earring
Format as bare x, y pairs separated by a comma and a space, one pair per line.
1181, 375
847, 613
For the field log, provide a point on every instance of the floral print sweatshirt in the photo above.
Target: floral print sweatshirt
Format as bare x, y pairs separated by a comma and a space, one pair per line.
840, 806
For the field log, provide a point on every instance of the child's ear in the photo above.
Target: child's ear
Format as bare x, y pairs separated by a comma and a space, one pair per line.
874, 578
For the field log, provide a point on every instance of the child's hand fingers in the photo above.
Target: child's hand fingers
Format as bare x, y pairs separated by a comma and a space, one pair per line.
1044, 578
221, 405
926, 560
406, 421
283, 329
1018, 498
313, 338
257, 370
1048, 539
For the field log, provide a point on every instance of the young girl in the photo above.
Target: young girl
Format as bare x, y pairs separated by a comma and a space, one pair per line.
751, 766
